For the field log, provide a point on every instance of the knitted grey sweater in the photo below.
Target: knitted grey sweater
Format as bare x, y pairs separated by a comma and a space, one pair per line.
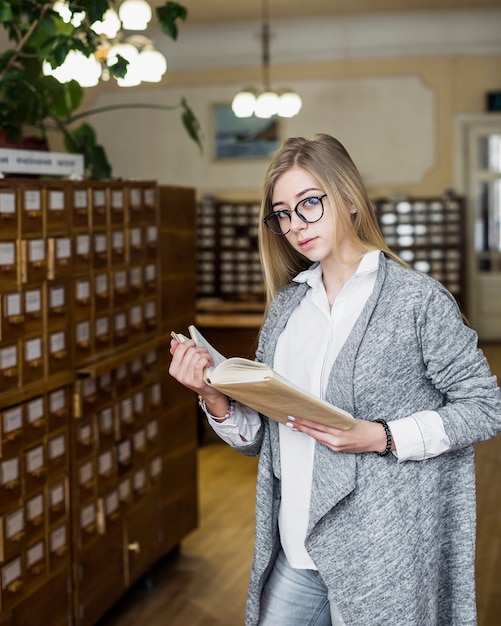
394, 543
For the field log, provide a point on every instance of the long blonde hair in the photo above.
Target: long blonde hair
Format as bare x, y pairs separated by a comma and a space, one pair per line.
326, 159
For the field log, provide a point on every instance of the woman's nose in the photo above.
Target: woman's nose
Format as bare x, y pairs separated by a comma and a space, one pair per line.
296, 222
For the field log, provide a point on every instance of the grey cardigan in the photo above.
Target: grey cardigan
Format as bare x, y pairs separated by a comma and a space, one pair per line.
394, 543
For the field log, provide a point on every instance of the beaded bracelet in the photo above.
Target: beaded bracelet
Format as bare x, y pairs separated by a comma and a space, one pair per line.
229, 413
387, 431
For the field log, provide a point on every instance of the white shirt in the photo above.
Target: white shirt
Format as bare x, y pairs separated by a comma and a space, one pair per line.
306, 358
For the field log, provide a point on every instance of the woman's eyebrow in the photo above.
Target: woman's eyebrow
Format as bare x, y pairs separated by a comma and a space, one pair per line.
298, 195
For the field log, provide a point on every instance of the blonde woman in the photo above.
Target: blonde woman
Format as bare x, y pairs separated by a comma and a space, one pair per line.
374, 525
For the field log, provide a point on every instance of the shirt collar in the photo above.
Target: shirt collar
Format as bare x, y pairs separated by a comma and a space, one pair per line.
313, 276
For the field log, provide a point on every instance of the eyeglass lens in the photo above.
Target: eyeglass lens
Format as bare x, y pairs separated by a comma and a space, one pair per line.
308, 210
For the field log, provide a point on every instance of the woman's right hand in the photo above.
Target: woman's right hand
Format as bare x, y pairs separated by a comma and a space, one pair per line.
187, 367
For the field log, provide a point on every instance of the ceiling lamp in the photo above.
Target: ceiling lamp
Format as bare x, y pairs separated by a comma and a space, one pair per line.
145, 63
266, 103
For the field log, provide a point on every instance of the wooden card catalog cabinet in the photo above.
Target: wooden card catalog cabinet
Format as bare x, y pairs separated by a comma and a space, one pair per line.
140, 482
36, 513
151, 241
117, 205
125, 492
152, 432
9, 367
124, 455
88, 523
120, 328
104, 388
99, 197
150, 315
150, 202
136, 321
106, 470
10, 479
102, 291
57, 304
82, 252
138, 404
80, 209
122, 381
9, 264
155, 397
36, 563
109, 509
156, 469
59, 351
12, 583
58, 406
135, 368
60, 258
106, 427
31, 211
102, 332
35, 418
84, 437
136, 282
150, 278
56, 209
11, 430
126, 416
9, 213
12, 533
85, 396
33, 260
33, 309
33, 359
86, 477
57, 501
35, 468
140, 443
11, 316
83, 341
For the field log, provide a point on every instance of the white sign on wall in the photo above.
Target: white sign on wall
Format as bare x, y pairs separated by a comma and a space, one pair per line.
38, 162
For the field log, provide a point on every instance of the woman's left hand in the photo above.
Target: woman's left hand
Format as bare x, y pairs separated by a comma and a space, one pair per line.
363, 436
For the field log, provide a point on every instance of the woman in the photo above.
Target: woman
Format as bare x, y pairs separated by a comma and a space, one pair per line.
374, 525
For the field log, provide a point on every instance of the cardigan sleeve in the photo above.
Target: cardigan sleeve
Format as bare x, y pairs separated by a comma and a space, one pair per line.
459, 370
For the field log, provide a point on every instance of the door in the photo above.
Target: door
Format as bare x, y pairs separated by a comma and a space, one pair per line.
480, 153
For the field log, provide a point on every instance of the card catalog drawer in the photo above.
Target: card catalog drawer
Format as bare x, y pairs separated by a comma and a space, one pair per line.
106, 469
60, 257
121, 289
59, 356
136, 245
57, 500
80, 210
150, 202
101, 248
117, 205
135, 204
106, 427
11, 430
82, 251
35, 468
11, 316
118, 247
31, 210
151, 237
10, 266
156, 469
140, 482
9, 212
58, 408
102, 291
102, 332
100, 210
126, 415
10, 480
151, 363
122, 379
36, 513
87, 517
82, 298
136, 321
139, 443
33, 260
152, 432
83, 340
124, 455
57, 452
135, 368
139, 405
33, 358
12, 589
120, 320
36, 563
104, 388
59, 545
108, 510
12, 533
155, 397
85, 439
150, 315
56, 208
125, 493
136, 282
57, 303
9, 367
33, 309
35, 415
150, 278
86, 478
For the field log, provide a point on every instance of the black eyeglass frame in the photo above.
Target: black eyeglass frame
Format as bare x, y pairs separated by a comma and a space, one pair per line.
296, 211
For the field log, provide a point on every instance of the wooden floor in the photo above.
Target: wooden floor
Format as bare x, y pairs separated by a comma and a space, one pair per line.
205, 582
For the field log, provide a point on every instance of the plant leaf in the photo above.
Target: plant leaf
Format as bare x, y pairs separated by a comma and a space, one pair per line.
167, 16
191, 124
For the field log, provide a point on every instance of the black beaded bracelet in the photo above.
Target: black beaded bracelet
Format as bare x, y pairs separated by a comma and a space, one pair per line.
387, 431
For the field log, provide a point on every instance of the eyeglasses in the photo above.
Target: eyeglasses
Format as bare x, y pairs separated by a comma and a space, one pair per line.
309, 210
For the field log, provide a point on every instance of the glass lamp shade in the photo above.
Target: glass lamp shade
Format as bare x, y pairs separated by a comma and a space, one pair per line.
289, 104
85, 70
152, 65
109, 26
135, 14
125, 50
243, 104
133, 76
266, 104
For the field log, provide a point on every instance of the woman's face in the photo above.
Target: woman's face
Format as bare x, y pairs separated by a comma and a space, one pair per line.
312, 240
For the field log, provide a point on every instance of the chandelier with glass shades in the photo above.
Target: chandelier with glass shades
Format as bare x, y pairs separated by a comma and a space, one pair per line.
145, 63
266, 103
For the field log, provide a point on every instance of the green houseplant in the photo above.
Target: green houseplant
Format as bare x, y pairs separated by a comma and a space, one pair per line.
30, 99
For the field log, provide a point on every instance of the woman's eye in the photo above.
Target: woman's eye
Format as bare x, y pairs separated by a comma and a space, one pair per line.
282, 214
310, 202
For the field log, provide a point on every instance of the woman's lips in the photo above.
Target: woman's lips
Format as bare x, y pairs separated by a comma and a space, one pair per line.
306, 243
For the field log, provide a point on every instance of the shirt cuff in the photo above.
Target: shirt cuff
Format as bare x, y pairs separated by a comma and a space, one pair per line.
238, 430
420, 436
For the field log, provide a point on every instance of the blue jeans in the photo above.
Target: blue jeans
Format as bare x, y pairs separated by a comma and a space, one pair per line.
296, 597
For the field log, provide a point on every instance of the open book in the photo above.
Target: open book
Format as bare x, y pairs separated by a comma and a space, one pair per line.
262, 389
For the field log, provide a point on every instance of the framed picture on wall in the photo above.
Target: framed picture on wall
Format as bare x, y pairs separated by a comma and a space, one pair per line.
249, 137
